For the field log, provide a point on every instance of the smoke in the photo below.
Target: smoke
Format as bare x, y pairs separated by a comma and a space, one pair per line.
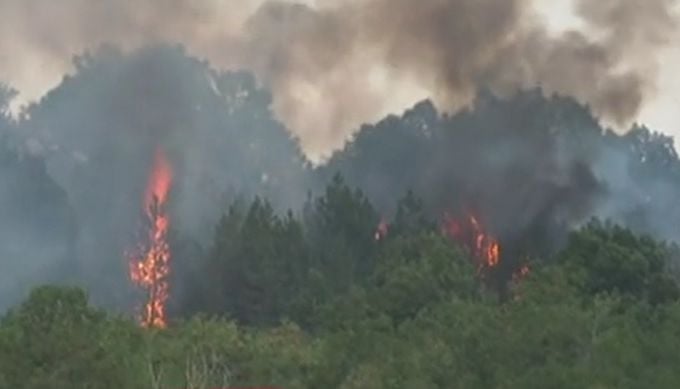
454, 47
336, 65
37, 227
329, 68
97, 134
530, 168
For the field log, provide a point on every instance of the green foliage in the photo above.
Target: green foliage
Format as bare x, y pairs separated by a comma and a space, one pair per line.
610, 259
257, 265
340, 227
316, 300
55, 339
410, 217
263, 267
602, 313
411, 274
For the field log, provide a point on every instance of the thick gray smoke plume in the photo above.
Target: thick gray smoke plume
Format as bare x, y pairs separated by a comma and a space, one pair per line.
454, 47
342, 63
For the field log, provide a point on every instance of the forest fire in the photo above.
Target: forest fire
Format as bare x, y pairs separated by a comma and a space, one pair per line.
469, 232
150, 265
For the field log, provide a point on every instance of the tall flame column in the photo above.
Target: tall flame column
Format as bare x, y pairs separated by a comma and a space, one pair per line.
149, 266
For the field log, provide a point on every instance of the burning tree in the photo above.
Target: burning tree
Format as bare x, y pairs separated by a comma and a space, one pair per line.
470, 232
150, 263
485, 249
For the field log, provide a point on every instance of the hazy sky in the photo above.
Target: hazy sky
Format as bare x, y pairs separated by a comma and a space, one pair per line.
41, 37
661, 113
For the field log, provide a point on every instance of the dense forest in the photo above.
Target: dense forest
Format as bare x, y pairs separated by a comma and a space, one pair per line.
516, 243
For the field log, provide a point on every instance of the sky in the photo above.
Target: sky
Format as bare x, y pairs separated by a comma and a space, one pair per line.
660, 113
46, 34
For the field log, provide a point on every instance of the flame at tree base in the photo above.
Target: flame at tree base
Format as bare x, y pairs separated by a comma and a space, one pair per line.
149, 265
484, 248
469, 232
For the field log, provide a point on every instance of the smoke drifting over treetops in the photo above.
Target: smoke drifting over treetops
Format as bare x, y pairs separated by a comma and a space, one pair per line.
329, 69
531, 167
91, 144
336, 65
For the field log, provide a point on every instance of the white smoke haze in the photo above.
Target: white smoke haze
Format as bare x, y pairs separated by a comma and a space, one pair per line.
333, 65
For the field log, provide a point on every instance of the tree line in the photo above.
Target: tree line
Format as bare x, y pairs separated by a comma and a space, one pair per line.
315, 300
354, 288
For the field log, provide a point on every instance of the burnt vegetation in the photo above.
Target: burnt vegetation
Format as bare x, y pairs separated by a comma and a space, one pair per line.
516, 243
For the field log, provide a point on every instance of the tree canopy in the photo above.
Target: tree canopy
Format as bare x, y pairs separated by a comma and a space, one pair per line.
517, 243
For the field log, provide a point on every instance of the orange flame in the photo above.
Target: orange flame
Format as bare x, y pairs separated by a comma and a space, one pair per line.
469, 232
150, 267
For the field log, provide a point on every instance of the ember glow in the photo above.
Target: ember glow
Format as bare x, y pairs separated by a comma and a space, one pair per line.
382, 230
470, 232
150, 264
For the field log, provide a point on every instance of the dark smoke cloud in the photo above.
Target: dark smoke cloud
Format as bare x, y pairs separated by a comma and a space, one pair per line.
454, 47
322, 62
